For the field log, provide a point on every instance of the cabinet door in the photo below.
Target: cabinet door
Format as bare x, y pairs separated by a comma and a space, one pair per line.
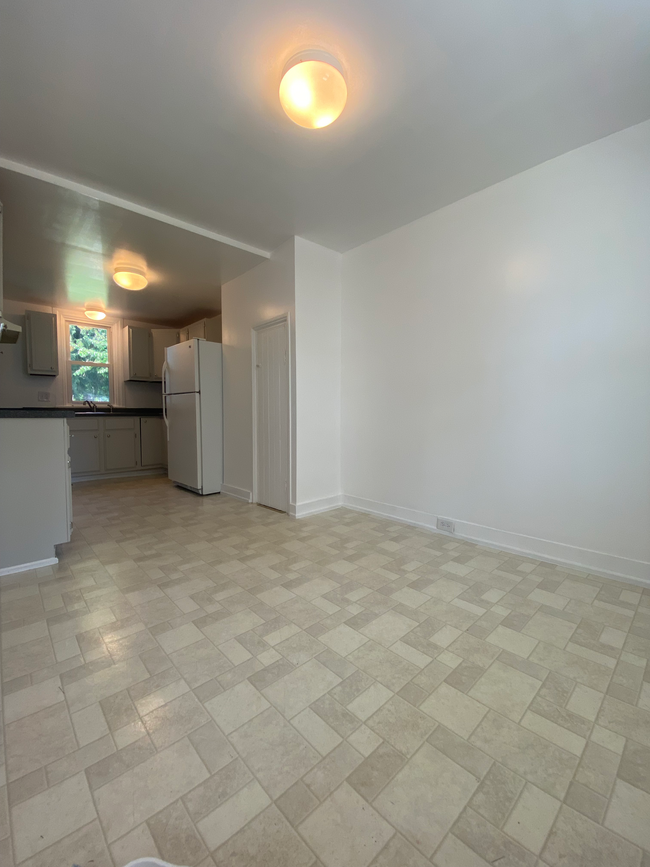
161, 339
197, 329
213, 329
152, 442
85, 445
139, 349
121, 444
42, 350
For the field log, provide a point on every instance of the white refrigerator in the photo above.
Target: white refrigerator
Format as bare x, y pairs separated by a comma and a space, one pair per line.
192, 407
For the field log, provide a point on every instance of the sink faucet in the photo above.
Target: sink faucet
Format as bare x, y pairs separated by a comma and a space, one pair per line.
91, 406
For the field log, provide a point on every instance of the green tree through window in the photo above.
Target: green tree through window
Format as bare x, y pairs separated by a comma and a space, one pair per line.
89, 363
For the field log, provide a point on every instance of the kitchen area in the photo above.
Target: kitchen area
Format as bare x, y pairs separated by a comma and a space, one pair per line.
102, 310
44, 450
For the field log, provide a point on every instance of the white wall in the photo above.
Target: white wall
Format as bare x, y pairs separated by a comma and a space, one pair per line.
496, 362
318, 376
19, 388
261, 294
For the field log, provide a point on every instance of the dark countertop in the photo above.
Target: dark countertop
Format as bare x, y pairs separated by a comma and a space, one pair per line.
71, 412
27, 412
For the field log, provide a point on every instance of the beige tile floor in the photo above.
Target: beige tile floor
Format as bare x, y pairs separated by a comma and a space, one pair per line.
217, 684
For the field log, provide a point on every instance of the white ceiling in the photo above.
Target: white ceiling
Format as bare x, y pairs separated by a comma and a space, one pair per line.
60, 247
174, 104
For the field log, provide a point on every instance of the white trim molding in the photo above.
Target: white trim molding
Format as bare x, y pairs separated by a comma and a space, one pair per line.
27, 567
237, 493
594, 562
315, 507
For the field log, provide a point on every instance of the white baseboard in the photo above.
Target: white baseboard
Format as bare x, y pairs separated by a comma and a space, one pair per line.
594, 562
314, 507
27, 567
238, 493
128, 474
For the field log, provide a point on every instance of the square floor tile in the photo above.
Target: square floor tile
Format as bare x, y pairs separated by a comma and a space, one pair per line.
426, 797
301, 687
236, 706
360, 831
388, 628
342, 639
506, 690
454, 709
274, 751
267, 841
51, 815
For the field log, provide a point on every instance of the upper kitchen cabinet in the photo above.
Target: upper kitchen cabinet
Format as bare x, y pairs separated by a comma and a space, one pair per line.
144, 352
138, 353
41, 343
161, 338
208, 329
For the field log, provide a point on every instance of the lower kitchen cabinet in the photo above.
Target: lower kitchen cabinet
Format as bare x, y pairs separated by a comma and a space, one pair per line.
153, 442
85, 445
107, 446
121, 444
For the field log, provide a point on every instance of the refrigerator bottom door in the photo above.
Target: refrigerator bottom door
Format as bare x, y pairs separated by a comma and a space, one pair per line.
184, 440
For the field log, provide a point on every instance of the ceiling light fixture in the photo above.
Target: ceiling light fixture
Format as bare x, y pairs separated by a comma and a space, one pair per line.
95, 314
131, 277
313, 91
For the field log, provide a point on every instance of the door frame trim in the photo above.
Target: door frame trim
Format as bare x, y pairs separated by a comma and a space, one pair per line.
285, 319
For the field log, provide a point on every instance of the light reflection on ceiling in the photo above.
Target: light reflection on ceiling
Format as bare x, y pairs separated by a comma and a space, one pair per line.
61, 247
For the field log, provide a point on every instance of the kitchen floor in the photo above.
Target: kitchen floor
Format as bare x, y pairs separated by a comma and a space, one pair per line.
217, 684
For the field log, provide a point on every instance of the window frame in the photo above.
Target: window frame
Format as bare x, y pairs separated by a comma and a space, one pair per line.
109, 326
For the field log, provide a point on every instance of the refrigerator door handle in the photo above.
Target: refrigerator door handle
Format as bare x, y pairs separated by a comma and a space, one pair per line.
164, 396
164, 376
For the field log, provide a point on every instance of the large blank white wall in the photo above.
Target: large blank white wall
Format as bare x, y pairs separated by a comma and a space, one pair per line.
261, 294
318, 376
496, 362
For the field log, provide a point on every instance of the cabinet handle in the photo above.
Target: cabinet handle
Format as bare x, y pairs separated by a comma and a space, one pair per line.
108, 435
95, 435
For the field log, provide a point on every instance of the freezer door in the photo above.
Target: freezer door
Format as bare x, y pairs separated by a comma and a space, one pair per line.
184, 444
182, 368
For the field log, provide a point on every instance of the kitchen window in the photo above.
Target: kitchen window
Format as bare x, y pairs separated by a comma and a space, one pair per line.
89, 363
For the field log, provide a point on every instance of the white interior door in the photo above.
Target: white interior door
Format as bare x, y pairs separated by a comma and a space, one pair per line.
184, 442
272, 414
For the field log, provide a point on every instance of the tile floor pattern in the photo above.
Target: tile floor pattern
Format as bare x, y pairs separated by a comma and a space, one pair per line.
219, 684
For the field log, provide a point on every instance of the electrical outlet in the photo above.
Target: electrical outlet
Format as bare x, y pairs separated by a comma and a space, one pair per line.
446, 525
44, 397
